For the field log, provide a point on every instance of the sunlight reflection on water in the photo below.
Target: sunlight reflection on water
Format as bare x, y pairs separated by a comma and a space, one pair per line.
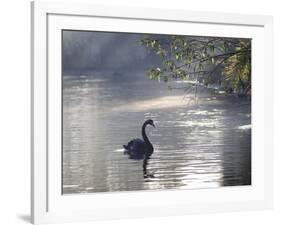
208, 145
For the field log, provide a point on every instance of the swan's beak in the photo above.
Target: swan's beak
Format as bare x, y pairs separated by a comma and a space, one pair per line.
153, 125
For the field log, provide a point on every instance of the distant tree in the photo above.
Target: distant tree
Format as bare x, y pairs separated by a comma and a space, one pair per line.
225, 62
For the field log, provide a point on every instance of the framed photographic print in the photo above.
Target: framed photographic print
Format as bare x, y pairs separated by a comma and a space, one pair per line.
146, 112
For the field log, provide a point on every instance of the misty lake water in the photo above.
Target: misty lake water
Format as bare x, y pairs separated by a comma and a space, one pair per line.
201, 145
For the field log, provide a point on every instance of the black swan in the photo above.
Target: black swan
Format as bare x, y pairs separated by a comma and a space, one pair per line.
141, 149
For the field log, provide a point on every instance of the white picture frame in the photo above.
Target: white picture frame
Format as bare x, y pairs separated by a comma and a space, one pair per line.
47, 203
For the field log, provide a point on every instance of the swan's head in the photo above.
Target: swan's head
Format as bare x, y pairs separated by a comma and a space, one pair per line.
150, 122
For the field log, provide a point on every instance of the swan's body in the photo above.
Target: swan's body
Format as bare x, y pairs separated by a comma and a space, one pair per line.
140, 149
135, 149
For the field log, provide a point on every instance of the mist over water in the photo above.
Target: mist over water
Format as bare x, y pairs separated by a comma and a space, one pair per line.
200, 145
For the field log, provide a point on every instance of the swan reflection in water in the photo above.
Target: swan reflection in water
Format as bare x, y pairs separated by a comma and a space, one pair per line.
141, 149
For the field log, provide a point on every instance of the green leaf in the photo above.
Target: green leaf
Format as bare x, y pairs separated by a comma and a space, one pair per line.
165, 78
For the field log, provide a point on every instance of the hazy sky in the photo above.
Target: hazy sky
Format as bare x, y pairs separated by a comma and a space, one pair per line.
100, 51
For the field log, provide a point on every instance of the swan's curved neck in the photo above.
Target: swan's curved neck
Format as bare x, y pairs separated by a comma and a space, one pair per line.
145, 138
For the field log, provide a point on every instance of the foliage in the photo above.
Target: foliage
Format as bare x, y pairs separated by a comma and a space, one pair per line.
225, 62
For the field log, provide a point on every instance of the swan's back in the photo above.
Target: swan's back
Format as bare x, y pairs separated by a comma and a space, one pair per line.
135, 148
